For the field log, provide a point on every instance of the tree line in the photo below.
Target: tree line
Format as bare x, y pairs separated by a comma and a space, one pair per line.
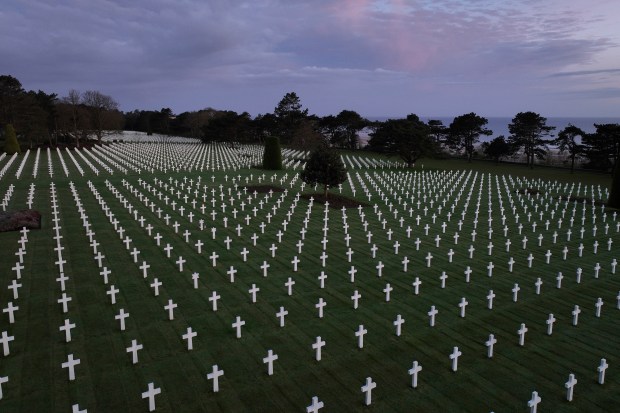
39, 118
79, 118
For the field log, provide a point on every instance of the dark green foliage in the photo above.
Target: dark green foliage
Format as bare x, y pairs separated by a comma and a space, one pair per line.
324, 167
464, 132
614, 194
289, 116
567, 142
408, 138
11, 92
437, 130
342, 130
228, 127
527, 132
603, 146
11, 145
497, 149
272, 157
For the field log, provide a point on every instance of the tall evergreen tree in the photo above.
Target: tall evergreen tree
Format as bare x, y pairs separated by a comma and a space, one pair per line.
567, 142
289, 115
408, 138
464, 132
528, 131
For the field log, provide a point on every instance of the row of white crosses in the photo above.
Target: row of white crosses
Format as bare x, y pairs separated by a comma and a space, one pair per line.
152, 391
320, 343
443, 282
62, 279
533, 403
462, 308
570, 386
5, 168
11, 308
490, 267
171, 156
7, 196
124, 157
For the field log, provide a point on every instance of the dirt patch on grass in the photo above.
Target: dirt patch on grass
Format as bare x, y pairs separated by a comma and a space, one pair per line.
531, 191
16, 220
335, 201
263, 189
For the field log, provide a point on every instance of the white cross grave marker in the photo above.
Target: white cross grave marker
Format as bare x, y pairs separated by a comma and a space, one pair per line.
601, 371
237, 325
315, 406
533, 402
454, 356
398, 323
150, 394
490, 343
189, 336
4, 340
570, 385
550, 322
133, 349
413, 372
367, 389
67, 329
432, 313
522, 330
215, 375
269, 361
361, 331
281, 314
70, 364
170, 308
317, 346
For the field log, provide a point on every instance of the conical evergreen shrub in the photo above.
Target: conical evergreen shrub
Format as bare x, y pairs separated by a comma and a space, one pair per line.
272, 157
11, 145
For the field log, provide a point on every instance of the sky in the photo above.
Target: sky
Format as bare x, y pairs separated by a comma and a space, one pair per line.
377, 57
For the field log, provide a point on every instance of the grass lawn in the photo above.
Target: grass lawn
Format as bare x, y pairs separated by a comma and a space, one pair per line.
430, 205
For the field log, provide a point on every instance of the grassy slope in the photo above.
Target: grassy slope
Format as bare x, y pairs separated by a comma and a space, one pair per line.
107, 381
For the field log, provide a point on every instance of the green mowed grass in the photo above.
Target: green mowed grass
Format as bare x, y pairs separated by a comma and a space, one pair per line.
106, 380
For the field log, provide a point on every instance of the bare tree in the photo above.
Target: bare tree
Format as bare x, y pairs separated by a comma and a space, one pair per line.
73, 101
101, 108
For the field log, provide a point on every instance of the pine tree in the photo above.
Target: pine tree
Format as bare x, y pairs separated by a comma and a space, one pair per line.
324, 167
272, 157
11, 145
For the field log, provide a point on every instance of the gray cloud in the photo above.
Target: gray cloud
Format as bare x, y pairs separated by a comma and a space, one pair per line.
586, 72
196, 53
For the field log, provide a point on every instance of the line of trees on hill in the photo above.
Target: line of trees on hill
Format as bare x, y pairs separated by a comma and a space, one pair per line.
39, 119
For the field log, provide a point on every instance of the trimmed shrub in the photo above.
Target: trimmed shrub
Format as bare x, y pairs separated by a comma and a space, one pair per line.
324, 167
272, 157
11, 145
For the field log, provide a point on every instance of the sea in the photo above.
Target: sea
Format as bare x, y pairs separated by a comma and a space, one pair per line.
499, 125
